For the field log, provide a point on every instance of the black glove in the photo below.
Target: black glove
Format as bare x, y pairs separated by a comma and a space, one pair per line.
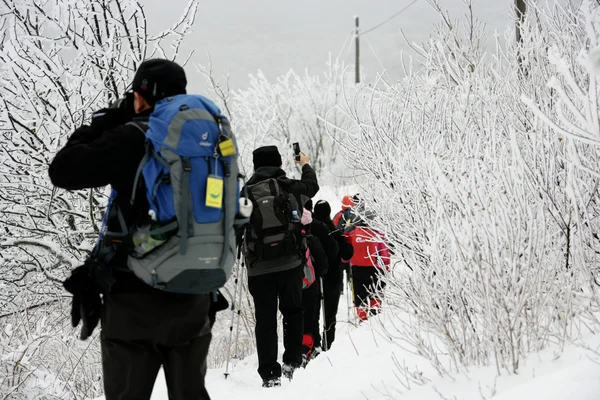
109, 118
86, 304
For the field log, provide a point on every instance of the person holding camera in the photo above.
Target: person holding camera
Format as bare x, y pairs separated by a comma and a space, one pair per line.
143, 328
275, 258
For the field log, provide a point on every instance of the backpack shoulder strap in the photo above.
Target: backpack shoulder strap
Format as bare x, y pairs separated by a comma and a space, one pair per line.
142, 126
282, 183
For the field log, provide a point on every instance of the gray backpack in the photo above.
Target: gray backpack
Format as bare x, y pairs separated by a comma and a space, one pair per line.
275, 228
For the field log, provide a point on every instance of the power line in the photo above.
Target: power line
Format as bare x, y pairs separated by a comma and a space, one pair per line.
346, 42
389, 19
375, 54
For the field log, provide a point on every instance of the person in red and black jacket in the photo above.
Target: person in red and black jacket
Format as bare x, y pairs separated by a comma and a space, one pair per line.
333, 280
342, 220
142, 328
371, 259
339, 219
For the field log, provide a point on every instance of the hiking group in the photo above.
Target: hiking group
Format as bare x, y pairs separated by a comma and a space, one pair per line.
177, 214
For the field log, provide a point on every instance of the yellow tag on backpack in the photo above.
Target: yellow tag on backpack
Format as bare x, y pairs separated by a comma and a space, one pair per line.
226, 146
214, 191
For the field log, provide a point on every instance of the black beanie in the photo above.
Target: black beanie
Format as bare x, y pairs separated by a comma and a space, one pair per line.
322, 211
266, 156
157, 78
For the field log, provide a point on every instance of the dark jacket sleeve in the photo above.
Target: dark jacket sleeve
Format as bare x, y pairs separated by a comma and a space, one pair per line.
95, 153
345, 248
321, 263
111, 157
307, 185
82, 163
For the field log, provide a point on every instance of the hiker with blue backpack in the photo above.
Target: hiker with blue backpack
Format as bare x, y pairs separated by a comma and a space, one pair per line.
167, 242
274, 258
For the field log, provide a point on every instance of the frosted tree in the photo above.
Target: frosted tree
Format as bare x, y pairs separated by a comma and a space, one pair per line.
59, 61
489, 201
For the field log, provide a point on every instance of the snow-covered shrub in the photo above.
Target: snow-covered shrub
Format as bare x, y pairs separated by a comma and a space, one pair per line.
490, 202
59, 61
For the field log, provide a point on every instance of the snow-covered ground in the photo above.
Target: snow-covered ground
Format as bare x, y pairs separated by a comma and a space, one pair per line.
361, 366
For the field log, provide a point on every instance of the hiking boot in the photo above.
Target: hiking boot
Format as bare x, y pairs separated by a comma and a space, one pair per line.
273, 382
288, 371
304, 361
316, 351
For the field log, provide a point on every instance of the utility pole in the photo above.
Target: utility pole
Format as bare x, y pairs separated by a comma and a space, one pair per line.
357, 44
521, 10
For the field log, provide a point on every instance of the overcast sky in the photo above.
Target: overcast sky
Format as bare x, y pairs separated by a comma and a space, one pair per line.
243, 36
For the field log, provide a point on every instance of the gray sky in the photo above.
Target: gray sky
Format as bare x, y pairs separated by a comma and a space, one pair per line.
243, 36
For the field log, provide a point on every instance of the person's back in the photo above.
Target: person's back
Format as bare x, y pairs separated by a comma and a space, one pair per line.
142, 327
275, 260
369, 248
307, 186
333, 280
321, 248
370, 260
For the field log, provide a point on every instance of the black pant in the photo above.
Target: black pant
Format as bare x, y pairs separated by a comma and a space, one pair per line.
311, 302
287, 285
142, 332
331, 292
365, 281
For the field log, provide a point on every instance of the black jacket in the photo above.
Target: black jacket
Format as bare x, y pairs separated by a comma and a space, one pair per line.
320, 261
328, 243
307, 186
106, 153
345, 251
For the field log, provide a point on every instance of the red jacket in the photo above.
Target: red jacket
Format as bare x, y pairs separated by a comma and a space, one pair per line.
370, 249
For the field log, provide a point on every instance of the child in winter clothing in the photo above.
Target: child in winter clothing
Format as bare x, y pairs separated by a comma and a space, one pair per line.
311, 294
370, 260
333, 280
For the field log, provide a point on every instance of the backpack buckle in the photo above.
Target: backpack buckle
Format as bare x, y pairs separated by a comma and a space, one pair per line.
187, 164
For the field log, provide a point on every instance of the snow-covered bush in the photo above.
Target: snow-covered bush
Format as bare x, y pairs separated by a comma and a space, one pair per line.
484, 180
59, 61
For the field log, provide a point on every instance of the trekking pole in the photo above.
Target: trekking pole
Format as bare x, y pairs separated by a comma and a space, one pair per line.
323, 311
351, 282
237, 332
235, 291
348, 294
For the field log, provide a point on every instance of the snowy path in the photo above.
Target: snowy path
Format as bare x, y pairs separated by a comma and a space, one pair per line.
360, 367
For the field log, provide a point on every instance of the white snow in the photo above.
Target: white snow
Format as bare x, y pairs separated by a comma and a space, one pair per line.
360, 366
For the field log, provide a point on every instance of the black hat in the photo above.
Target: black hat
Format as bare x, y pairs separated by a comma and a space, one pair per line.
266, 156
157, 78
322, 210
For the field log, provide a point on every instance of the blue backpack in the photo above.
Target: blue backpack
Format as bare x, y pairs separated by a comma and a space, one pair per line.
190, 172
